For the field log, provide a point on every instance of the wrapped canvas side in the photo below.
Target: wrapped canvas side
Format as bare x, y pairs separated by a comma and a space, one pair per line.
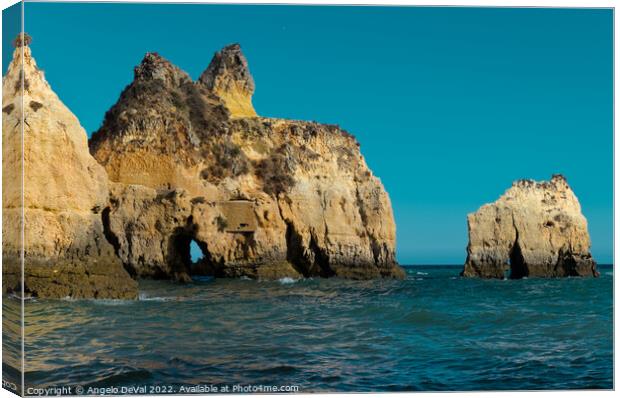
12, 199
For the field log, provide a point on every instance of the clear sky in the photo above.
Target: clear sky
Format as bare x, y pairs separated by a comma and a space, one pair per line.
450, 104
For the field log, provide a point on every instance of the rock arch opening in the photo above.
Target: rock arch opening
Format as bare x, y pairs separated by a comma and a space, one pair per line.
189, 256
195, 252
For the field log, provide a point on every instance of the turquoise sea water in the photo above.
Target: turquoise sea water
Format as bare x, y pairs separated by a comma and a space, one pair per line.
433, 331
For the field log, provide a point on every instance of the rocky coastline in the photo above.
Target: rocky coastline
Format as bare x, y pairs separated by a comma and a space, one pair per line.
178, 161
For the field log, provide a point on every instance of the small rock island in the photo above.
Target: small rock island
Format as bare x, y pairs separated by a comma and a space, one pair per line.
536, 229
177, 161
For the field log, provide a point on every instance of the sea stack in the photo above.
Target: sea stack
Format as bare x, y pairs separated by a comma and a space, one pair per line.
536, 229
262, 197
64, 193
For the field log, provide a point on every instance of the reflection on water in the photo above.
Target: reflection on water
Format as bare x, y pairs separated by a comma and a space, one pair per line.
433, 331
11, 344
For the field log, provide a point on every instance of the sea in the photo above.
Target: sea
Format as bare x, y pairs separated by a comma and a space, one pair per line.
434, 331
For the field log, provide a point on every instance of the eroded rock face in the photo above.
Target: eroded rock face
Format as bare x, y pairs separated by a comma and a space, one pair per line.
64, 192
535, 229
262, 197
229, 78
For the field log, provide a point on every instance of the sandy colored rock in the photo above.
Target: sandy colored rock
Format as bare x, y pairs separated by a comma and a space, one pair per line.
228, 76
536, 229
183, 157
64, 193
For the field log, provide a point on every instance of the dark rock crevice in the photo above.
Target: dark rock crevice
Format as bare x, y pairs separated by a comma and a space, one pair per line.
309, 261
179, 257
295, 251
208, 265
569, 264
321, 263
107, 230
518, 266
113, 240
566, 264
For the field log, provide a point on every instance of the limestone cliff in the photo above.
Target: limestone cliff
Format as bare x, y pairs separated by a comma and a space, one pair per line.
262, 197
64, 192
535, 229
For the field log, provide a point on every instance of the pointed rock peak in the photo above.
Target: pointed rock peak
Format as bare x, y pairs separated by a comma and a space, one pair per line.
228, 77
23, 39
56, 145
156, 67
228, 65
21, 44
23, 76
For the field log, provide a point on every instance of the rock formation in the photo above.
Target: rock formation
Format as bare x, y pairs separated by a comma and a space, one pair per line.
262, 197
64, 193
229, 78
535, 229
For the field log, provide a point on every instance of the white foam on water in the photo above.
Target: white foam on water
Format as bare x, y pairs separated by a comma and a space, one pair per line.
287, 280
98, 301
16, 296
421, 273
111, 302
144, 297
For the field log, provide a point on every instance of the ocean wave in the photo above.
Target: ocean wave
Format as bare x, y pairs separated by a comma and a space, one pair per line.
292, 329
95, 301
110, 302
144, 297
122, 377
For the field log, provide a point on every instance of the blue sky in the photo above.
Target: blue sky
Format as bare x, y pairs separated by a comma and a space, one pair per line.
450, 104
